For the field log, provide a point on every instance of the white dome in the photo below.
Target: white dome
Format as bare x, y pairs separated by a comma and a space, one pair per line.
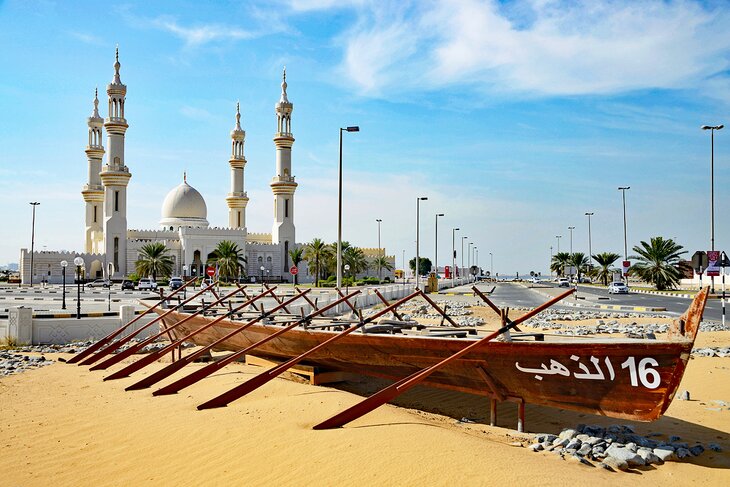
184, 206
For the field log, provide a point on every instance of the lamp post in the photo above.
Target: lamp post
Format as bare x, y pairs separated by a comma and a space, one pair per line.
339, 209
32, 240
590, 251
262, 269
63, 273
453, 254
418, 218
347, 270
626, 246
476, 259
405, 269
571, 248
712, 129
462, 250
468, 255
558, 237
78, 262
550, 265
379, 248
491, 264
436, 246
185, 278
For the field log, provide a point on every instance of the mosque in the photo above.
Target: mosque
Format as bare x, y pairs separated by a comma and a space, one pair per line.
111, 248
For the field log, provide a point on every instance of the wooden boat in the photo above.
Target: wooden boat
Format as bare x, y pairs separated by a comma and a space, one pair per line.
621, 378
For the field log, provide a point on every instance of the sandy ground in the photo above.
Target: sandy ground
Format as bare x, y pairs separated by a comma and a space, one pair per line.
62, 425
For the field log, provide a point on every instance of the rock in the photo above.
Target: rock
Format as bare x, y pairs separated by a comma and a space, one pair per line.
560, 441
579, 459
674, 438
664, 454
573, 445
682, 453
697, 450
649, 457
568, 433
625, 454
683, 396
612, 463
584, 449
536, 447
715, 447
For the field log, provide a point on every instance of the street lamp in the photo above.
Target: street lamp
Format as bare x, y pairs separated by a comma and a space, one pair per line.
185, 278
571, 248
590, 251
63, 272
347, 269
712, 129
418, 217
32, 241
550, 265
339, 210
491, 264
462, 250
436, 251
78, 262
453, 254
476, 258
626, 246
262, 269
558, 237
468, 255
379, 248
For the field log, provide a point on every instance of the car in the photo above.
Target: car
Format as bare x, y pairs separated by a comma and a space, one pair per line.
618, 288
535, 280
99, 283
176, 283
563, 282
127, 284
146, 284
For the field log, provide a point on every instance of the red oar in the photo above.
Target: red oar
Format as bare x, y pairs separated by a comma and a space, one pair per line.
138, 346
154, 356
111, 336
219, 364
394, 390
115, 345
264, 377
183, 361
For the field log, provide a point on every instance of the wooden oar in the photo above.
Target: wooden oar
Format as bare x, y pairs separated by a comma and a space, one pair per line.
175, 366
274, 372
135, 348
154, 356
496, 309
385, 302
111, 336
394, 390
441, 312
219, 364
115, 345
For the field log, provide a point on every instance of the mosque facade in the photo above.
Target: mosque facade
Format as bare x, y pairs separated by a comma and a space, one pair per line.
111, 248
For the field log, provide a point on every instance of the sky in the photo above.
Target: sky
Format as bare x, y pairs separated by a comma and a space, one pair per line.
513, 118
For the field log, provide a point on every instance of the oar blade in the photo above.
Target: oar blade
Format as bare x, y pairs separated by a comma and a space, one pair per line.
237, 392
158, 376
360, 409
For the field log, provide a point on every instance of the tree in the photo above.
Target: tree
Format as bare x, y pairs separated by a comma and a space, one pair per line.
580, 262
560, 260
658, 262
296, 255
424, 265
315, 253
153, 260
605, 260
355, 258
227, 257
382, 262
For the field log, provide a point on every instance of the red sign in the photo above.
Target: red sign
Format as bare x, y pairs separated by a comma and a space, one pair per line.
293, 270
626, 265
447, 272
210, 271
713, 267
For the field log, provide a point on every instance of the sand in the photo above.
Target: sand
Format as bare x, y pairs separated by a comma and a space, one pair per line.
62, 425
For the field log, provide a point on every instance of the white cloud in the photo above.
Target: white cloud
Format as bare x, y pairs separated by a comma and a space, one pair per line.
201, 34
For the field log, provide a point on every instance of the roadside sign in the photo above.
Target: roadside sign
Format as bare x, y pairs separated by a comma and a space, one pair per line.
447, 272
713, 264
210, 271
626, 265
699, 261
724, 261
293, 270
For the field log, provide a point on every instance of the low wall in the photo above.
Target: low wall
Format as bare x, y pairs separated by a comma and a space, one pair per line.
22, 327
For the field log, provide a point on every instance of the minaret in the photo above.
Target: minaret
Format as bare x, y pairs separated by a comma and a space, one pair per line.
115, 177
237, 199
283, 184
93, 191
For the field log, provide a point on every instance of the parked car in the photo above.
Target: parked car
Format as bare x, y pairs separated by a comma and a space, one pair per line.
563, 282
99, 283
618, 288
175, 283
127, 284
146, 284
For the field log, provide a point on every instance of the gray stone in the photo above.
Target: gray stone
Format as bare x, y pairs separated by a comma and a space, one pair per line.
568, 433
683, 396
561, 441
584, 449
664, 454
612, 463
625, 454
715, 447
649, 457
536, 447
574, 444
697, 450
682, 453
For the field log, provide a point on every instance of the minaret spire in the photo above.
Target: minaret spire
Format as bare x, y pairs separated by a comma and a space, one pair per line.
93, 191
237, 198
283, 98
117, 80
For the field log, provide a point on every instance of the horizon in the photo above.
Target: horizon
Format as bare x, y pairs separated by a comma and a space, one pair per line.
513, 118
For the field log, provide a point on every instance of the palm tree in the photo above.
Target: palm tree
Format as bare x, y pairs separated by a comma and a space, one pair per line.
659, 262
227, 257
296, 255
580, 262
382, 262
605, 260
355, 258
560, 260
315, 253
153, 260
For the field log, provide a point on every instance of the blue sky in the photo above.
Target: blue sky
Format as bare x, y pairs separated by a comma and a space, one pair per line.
513, 118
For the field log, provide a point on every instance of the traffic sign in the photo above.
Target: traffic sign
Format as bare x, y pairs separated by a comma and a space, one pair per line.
713, 265
626, 264
210, 271
293, 270
699, 261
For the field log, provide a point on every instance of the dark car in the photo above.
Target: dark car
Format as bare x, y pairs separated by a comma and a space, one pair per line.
127, 284
176, 283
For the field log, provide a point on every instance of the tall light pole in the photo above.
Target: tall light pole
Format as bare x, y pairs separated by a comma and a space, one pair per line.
571, 248
32, 240
476, 259
462, 250
712, 129
418, 232
379, 248
626, 246
64, 264
436, 246
404, 266
550, 265
468, 255
78, 262
558, 237
491, 264
453, 254
589, 214
339, 210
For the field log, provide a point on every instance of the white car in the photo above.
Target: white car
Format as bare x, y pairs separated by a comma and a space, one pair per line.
618, 288
146, 284
563, 282
99, 283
